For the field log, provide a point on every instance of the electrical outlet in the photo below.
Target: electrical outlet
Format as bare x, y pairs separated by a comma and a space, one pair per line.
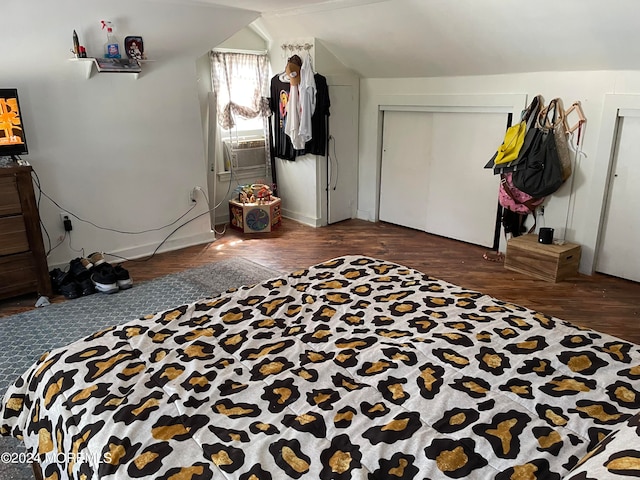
192, 195
66, 221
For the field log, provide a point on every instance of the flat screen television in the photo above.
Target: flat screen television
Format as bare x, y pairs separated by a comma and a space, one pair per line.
12, 139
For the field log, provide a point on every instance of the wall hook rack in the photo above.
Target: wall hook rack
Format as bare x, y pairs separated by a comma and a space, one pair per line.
576, 107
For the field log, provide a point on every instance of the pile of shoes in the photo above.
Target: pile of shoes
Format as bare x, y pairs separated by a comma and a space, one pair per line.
89, 275
107, 278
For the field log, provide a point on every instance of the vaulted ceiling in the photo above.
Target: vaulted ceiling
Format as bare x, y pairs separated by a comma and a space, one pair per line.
425, 38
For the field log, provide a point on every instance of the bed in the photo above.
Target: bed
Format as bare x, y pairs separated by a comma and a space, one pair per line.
355, 368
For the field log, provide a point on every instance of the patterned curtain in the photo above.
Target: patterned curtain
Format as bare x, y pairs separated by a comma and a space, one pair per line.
240, 81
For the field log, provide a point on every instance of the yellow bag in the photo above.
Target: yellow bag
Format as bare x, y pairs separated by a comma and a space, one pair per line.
513, 140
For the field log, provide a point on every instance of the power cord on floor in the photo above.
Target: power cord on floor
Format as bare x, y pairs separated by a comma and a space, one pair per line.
161, 243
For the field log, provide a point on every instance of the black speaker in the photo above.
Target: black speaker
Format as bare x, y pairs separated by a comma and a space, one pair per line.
545, 235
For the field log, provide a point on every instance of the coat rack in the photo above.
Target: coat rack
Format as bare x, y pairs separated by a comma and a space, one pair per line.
581, 118
289, 48
296, 46
563, 116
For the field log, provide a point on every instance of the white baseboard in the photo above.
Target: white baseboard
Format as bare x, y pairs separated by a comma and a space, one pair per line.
312, 222
141, 251
366, 215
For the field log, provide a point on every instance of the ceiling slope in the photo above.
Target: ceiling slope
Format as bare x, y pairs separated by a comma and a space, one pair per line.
426, 38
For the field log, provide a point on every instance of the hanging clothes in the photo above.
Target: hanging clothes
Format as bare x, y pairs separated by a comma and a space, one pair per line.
279, 90
307, 90
292, 124
318, 143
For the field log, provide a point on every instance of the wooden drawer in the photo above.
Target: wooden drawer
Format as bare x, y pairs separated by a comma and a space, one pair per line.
23, 259
9, 197
18, 275
552, 263
13, 235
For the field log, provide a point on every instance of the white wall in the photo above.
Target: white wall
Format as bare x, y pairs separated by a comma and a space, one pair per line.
588, 183
117, 151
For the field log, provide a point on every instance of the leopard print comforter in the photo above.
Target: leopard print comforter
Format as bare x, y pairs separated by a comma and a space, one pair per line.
356, 368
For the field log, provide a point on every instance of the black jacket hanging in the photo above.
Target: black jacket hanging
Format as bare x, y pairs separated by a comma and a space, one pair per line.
318, 143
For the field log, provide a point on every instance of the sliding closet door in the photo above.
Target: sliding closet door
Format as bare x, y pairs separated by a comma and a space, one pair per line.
405, 166
432, 172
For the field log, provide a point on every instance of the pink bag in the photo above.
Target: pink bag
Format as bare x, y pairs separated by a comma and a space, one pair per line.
516, 200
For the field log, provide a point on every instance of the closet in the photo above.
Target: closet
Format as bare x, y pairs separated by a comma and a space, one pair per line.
431, 176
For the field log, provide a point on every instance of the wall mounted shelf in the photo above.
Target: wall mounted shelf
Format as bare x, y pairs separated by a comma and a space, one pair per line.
86, 63
89, 66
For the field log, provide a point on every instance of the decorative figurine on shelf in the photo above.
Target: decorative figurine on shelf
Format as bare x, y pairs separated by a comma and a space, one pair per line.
134, 47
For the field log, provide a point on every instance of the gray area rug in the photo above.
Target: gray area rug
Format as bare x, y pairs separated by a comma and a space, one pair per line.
24, 337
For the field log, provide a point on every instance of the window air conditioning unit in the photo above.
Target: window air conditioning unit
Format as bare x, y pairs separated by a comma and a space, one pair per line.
244, 154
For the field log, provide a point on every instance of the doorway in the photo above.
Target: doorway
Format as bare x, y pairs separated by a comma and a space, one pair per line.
342, 155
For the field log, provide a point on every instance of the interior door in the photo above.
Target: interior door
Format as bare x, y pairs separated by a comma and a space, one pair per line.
342, 168
432, 175
619, 250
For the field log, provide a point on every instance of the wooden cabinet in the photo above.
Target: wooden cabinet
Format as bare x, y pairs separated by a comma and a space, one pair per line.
552, 263
23, 261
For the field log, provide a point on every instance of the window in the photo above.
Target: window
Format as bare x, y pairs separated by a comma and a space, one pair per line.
240, 81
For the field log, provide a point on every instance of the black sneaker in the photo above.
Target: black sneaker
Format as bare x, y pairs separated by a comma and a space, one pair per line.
97, 258
80, 268
123, 279
56, 275
63, 283
85, 287
104, 278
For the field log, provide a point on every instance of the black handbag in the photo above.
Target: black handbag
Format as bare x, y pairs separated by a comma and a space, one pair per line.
541, 171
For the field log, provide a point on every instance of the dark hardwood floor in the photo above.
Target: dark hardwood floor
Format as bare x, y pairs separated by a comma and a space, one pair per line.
600, 302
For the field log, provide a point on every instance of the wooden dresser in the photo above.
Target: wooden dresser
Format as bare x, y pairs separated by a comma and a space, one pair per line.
23, 260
